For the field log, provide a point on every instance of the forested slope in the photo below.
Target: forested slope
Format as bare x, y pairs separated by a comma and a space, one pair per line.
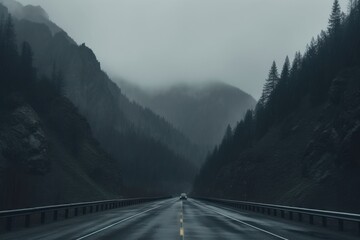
300, 146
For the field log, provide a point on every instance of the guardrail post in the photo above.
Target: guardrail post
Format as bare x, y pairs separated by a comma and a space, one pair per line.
76, 212
275, 212
55, 215
84, 210
300, 217
27, 220
324, 221
42, 218
291, 215
341, 225
311, 219
9, 223
91, 208
66, 213
282, 213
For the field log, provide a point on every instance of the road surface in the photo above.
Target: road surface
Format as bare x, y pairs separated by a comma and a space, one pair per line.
175, 219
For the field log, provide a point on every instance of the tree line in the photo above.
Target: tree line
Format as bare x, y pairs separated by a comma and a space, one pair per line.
19, 81
309, 75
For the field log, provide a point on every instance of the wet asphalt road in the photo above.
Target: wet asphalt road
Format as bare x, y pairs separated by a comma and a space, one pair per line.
175, 219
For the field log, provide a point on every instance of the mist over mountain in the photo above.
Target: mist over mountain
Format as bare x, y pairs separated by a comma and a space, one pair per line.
201, 111
126, 130
32, 13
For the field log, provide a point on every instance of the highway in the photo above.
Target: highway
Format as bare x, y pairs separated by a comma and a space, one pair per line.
178, 220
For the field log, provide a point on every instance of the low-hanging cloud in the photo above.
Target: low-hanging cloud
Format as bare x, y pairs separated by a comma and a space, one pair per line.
161, 42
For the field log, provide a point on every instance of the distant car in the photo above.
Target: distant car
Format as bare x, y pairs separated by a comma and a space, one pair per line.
183, 196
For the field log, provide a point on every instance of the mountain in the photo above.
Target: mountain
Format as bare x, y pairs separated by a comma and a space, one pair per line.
202, 112
48, 154
300, 146
124, 128
32, 13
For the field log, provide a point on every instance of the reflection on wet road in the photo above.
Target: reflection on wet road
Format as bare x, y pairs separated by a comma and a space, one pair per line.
175, 219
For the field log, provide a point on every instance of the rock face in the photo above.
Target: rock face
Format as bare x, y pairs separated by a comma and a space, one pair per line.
23, 141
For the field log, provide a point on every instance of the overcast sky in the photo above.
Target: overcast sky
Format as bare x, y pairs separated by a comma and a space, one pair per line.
160, 42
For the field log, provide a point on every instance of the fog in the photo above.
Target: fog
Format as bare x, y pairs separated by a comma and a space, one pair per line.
160, 42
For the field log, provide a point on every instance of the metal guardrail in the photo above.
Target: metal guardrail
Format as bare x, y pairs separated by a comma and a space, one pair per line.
286, 212
40, 215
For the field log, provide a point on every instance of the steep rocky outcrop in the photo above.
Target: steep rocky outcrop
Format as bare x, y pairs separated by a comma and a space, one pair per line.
23, 141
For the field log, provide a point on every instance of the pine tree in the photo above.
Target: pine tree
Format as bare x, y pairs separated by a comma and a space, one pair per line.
10, 38
285, 73
26, 54
228, 133
335, 18
27, 73
296, 65
58, 80
271, 83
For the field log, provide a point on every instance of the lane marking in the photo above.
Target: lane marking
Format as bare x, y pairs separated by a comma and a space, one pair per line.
182, 234
121, 221
244, 223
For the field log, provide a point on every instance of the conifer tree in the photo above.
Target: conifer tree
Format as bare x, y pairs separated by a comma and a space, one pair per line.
27, 71
296, 64
228, 133
9, 38
285, 73
58, 80
335, 18
271, 83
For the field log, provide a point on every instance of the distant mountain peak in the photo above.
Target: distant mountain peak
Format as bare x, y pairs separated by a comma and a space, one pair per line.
197, 109
31, 13
34, 12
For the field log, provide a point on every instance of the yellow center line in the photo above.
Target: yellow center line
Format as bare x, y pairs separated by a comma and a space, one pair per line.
182, 234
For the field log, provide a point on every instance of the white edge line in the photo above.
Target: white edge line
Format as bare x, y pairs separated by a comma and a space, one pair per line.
249, 225
116, 223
